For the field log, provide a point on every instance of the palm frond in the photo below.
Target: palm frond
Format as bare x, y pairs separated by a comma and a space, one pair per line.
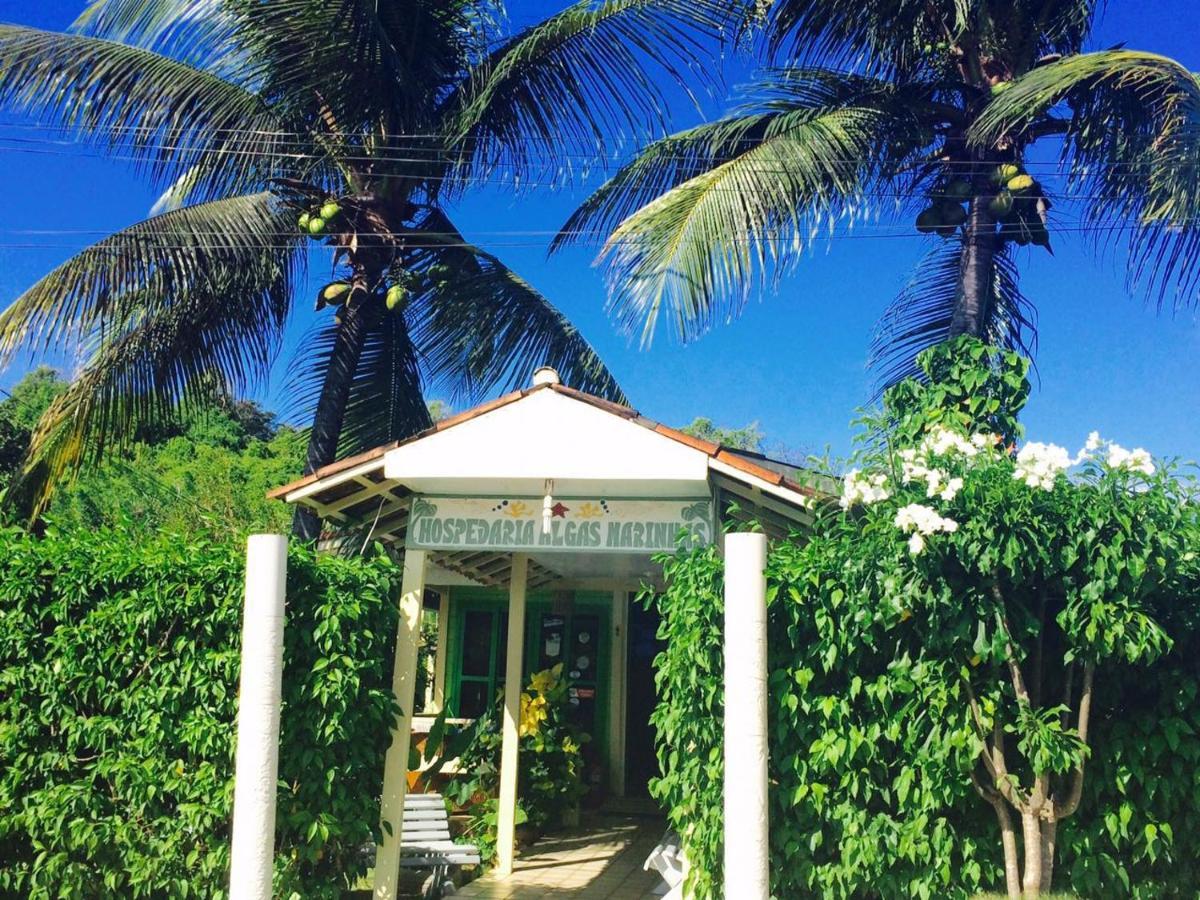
202, 33
881, 36
166, 116
775, 177
1131, 149
922, 313
671, 161
1133, 84
386, 400
479, 325
141, 271
580, 80
215, 338
360, 65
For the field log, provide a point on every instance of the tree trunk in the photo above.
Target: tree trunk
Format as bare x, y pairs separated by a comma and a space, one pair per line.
331, 409
976, 272
1049, 837
1032, 838
1008, 840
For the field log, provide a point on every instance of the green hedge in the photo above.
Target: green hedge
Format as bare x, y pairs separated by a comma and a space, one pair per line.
855, 751
118, 692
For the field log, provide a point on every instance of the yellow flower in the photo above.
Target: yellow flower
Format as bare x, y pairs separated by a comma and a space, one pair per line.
545, 681
588, 510
517, 509
533, 714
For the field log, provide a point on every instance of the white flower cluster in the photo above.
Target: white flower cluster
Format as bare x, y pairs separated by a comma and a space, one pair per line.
1136, 460
921, 521
941, 441
914, 467
861, 488
1039, 465
915, 462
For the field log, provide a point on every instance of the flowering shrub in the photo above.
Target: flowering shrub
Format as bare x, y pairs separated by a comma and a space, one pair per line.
550, 774
951, 651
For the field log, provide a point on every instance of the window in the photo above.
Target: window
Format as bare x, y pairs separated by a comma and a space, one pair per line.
483, 656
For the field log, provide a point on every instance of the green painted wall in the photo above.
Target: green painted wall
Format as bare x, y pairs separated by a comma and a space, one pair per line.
597, 603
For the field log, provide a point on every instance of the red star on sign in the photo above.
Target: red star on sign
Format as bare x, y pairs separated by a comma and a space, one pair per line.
559, 511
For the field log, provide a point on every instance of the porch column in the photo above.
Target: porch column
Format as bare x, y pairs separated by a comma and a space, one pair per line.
395, 768
507, 818
746, 833
617, 692
440, 654
256, 766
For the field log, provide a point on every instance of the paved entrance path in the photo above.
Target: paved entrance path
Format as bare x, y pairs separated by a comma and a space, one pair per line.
601, 860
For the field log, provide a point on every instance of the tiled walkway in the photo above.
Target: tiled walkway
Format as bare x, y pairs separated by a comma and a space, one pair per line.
602, 860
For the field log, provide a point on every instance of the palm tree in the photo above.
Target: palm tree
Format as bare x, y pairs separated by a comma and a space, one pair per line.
351, 123
912, 110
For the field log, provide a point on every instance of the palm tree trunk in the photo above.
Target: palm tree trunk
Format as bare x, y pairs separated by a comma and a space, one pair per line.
331, 409
977, 271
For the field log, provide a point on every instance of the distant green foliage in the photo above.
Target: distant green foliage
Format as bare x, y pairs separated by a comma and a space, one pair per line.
210, 479
20, 410
205, 472
930, 651
118, 692
749, 437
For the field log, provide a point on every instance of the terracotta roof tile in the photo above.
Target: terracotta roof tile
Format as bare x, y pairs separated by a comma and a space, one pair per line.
732, 459
684, 438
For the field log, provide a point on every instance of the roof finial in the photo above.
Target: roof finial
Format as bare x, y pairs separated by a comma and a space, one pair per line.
545, 375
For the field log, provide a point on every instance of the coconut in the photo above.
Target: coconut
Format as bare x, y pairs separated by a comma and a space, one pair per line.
316, 225
953, 214
958, 189
929, 220
396, 296
1019, 183
303, 221
1001, 205
336, 291
329, 210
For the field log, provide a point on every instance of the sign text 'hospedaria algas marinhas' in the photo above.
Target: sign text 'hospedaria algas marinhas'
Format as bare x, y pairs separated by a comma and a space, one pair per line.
597, 524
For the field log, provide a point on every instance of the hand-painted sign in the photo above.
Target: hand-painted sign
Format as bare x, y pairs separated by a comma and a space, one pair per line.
596, 525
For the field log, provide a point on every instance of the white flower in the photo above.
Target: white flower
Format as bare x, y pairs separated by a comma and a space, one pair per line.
1140, 461
1038, 464
950, 491
941, 440
916, 544
860, 488
923, 520
983, 441
1137, 460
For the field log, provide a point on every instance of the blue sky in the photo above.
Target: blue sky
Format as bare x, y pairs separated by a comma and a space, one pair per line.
795, 360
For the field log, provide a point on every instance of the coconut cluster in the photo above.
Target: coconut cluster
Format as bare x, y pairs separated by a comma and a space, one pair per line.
319, 220
1016, 201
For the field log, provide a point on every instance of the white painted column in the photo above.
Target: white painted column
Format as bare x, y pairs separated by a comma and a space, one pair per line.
440, 654
618, 690
746, 867
395, 767
256, 771
509, 752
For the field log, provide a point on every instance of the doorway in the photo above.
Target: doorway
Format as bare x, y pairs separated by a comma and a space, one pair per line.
641, 763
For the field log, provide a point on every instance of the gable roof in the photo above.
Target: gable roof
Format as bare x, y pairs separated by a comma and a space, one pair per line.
735, 463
